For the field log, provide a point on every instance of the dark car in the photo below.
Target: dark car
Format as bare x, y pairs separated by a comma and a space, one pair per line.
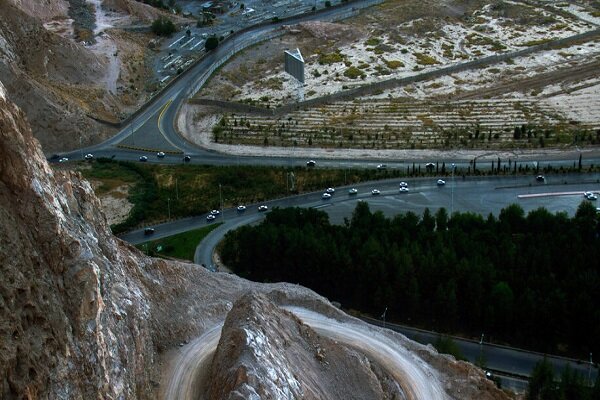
187, 158
540, 178
311, 163
148, 231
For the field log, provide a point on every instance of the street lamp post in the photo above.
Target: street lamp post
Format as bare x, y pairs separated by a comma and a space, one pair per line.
590, 370
452, 193
383, 316
221, 201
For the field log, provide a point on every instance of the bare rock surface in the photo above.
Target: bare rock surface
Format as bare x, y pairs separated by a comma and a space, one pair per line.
267, 352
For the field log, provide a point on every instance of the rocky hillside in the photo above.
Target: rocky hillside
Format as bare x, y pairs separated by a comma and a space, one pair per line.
83, 315
51, 77
258, 335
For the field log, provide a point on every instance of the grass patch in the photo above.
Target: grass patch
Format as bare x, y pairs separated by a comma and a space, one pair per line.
394, 64
535, 42
182, 246
353, 73
424, 59
373, 41
331, 58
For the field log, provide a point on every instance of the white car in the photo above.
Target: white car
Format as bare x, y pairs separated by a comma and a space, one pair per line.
241, 208
311, 163
591, 196
381, 166
375, 192
404, 189
330, 190
143, 158
403, 184
353, 191
64, 159
263, 208
326, 196
160, 154
210, 217
89, 156
441, 182
215, 212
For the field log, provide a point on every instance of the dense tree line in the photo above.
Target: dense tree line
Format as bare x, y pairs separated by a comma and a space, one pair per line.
529, 280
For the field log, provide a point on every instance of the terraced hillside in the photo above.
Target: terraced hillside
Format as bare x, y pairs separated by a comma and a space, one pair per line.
389, 124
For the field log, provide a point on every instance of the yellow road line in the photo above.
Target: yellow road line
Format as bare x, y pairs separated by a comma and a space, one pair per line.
162, 111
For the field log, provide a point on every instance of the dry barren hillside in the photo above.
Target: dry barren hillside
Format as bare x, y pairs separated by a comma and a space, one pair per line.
69, 66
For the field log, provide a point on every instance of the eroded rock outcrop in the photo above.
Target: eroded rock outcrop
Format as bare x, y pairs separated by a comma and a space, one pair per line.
266, 352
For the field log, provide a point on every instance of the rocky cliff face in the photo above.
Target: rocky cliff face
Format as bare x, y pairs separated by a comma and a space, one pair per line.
57, 82
85, 316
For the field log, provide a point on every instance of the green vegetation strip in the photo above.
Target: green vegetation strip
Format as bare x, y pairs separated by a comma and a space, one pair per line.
181, 246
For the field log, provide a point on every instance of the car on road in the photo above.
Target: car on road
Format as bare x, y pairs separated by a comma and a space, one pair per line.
353, 191
441, 182
64, 159
211, 217
429, 165
591, 196
540, 178
143, 158
330, 190
215, 212
187, 158
403, 184
263, 208
89, 156
326, 196
160, 154
241, 208
311, 163
404, 189
148, 231
375, 192
381, 166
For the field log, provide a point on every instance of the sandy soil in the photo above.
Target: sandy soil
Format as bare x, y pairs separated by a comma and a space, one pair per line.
115, 205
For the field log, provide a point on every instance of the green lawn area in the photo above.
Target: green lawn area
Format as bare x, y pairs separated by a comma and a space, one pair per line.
182, 246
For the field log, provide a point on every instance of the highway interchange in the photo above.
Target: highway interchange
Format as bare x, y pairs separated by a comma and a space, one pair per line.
152, 129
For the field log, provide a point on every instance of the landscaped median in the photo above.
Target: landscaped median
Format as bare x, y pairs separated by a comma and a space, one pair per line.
181, 246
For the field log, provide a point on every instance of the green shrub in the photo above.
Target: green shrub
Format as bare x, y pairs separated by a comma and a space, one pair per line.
354, 73
163, 26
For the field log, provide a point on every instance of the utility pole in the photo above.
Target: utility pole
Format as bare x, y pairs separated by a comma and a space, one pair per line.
590, 371
481, 351
221, 201
452, 193
383, 316
176, 189
169, 207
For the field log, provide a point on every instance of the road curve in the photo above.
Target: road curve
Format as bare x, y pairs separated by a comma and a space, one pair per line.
418, 380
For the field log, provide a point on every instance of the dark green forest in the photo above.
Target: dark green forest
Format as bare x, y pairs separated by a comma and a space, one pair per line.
526, 280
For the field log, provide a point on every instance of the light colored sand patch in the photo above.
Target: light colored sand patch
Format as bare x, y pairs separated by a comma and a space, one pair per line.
582, 105
115, 205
